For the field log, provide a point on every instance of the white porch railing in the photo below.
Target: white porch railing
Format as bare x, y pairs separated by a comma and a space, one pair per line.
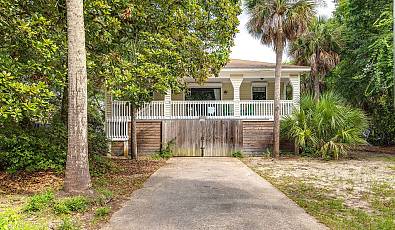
263, 109
117, 124
117, 129
151, 111
196, 109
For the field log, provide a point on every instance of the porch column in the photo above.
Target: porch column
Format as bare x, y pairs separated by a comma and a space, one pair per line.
295, 82
167, 105
236, 82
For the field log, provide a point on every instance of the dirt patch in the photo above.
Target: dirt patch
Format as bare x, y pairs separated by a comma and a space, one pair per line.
29, 182
350, 179
118, 184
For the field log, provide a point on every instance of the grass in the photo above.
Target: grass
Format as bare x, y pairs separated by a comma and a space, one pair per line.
39, 201
331, 209
71, 204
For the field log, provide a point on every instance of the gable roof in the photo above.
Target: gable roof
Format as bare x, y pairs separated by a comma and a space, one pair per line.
245, 64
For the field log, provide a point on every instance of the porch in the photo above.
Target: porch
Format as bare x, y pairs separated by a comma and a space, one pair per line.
227, 98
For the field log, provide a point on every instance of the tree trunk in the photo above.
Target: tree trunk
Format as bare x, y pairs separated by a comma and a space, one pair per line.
317, 90
277, 82
133, 134
77, 179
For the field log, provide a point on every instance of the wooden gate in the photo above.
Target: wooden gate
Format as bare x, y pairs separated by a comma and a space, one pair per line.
203, 137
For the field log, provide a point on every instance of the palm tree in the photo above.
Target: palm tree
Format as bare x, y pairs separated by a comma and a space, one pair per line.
319, 49
275, 23
77, 178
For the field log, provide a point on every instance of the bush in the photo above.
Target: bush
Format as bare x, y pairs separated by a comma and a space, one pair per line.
71, 204
39, 202
237, 154
325, 128
45, 147
33, 149
167, 152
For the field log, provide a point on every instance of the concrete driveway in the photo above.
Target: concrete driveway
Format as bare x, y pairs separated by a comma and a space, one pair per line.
209, 193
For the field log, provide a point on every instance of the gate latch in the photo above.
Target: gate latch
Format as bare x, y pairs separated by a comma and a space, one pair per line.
202, 146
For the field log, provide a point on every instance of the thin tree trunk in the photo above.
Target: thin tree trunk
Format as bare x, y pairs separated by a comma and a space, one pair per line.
133, 134
277, 82
317, 90
64, 105
77, 178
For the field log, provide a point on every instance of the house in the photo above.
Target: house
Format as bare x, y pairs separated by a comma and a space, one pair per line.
228, 113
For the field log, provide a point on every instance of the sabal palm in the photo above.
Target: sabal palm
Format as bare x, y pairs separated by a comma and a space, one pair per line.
275, 23
327, 127
317, 48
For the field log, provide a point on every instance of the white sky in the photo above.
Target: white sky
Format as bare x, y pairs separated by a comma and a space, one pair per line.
248, 48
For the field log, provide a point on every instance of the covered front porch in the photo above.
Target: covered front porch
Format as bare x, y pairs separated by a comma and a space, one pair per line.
219, 98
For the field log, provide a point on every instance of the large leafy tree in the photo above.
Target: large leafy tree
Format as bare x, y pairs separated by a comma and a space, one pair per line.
32, 59
154, 45
133, 47
319, 48
275, 23
365, 73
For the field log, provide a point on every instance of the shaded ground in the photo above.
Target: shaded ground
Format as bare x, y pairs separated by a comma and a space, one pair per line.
113, 188
356, 193
209, 193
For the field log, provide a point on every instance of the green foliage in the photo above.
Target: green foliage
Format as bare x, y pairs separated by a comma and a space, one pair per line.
12, 220
104, 196
263, 23
134, 48
327, 127
68, 224
39, 202
166, 152
102, 212
365, 73
318, 48
153, 48
45, 147
237, 154
33, 148
71, 204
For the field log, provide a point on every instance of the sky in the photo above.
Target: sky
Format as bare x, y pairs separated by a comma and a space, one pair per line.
248, 48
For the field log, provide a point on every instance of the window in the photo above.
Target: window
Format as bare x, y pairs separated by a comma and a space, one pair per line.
203, 94
259, 93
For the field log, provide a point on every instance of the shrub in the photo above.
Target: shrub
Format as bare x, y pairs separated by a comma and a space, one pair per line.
33, 149
71, 204
167, 152
39, 202
45, 147
325, 128
237, 154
